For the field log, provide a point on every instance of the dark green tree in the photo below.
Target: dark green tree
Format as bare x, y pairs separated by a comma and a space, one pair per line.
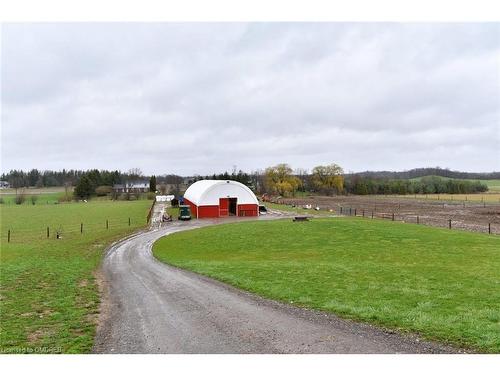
152, 184
84, 188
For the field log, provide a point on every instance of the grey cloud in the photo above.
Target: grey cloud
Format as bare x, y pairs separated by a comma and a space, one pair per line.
199, 98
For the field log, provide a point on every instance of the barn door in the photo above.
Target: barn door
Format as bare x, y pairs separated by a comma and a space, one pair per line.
233, 206
223, 206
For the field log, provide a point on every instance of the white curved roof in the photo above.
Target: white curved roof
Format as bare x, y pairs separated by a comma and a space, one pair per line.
208, 192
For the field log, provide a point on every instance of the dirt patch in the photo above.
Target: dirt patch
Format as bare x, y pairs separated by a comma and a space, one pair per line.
35, 337
39, 311
31, 313
104, 309
471, 216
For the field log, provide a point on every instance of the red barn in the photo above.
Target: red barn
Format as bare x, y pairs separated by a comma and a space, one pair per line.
221, 198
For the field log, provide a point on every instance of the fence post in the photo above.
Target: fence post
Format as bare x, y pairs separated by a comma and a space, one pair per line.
355, 210
393, 216
449, 223
107, 224
484, 204
128, 221
81, 227
48, 232
8, 236
418, 220
363, 213
372, 214
489, 228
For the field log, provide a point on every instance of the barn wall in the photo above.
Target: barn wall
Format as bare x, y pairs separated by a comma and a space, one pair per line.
248, 210
208, 211
214, 210
192, 206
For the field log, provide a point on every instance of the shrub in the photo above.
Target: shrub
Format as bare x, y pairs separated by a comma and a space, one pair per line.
1, 200
64, 198
174, 202
151, 195
103, 190
20, 198
33, 199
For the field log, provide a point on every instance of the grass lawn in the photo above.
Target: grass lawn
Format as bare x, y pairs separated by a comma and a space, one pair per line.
493, 185
49, 297
442, 284
41, 198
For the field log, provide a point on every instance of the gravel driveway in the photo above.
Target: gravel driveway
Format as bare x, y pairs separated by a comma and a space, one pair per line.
150, 307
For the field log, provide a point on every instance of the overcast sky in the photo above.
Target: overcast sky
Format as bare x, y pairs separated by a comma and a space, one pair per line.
200, 98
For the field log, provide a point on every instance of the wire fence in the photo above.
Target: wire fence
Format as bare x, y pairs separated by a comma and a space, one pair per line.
490, 228
67, 230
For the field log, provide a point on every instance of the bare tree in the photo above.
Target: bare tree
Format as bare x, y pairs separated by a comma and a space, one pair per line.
67, 185
163, 189
135, 174
17, 183
302, 174
257, 179
20, 198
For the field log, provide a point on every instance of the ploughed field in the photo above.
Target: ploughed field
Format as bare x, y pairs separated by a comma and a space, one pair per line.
48, 287
439, 283
471, 214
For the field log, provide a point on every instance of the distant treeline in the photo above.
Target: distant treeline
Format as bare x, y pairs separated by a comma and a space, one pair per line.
70, 177
304, 181
426, 185
239, 176
421, 172
37, 178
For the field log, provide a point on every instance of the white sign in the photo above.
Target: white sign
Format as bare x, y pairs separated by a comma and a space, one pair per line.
164, 198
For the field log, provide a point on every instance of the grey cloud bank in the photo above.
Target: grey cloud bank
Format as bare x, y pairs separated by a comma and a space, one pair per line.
200, 98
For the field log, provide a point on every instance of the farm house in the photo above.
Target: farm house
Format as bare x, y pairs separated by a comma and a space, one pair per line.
221, 198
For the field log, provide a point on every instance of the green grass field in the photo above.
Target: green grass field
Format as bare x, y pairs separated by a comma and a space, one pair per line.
41, 198
49, 297
48, 195
442, 284
493, 185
